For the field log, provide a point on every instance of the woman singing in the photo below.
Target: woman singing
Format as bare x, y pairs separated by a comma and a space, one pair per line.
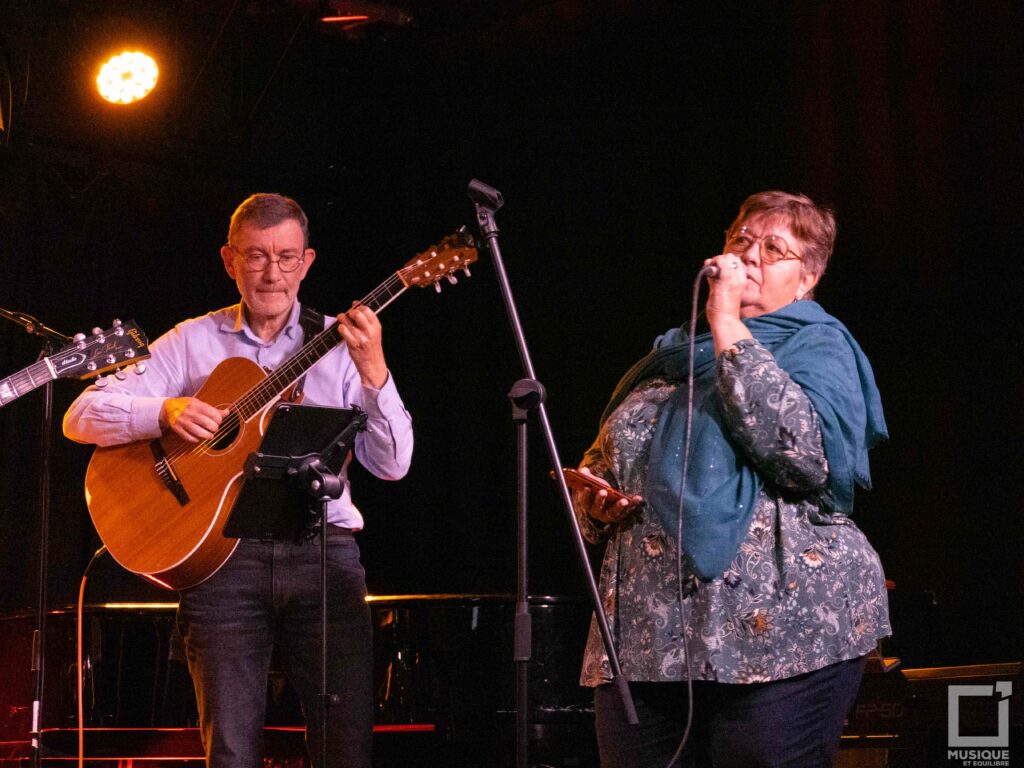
750, 580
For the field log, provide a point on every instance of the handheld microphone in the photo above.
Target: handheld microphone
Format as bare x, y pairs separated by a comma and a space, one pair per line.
710, 270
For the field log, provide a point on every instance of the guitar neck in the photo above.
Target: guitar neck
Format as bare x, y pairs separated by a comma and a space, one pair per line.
24, 381
257, 398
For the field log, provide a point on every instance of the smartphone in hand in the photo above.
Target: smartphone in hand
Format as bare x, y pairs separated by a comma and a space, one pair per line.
577, 480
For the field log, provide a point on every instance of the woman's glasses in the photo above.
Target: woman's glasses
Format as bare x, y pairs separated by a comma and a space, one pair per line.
773, 247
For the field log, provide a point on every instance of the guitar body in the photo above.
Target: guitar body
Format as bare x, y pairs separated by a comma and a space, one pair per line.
143, 524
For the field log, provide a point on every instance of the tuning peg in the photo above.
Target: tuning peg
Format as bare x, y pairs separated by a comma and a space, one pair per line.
437, 287
139, 368
98, 333
453, 279
101, 381
129, 353
79, 339
120, 375
465, 271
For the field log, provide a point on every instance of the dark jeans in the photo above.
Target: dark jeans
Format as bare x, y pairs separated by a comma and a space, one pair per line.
270, 591
791, 723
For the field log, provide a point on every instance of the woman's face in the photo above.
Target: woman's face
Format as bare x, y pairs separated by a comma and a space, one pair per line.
772, 286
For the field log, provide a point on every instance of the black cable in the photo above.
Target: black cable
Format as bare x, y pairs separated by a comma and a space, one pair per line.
6, 127
209, 52
24, 96
679, 525
277, 66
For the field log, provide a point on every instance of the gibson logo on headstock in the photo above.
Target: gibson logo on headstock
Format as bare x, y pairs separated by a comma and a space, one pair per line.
137, 337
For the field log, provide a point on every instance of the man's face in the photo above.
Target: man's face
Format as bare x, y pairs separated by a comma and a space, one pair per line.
268, 292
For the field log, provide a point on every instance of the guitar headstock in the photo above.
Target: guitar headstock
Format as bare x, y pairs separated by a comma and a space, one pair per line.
100, 352
455, 252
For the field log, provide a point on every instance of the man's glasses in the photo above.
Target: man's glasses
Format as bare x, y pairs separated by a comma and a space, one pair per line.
773, 247
257, 261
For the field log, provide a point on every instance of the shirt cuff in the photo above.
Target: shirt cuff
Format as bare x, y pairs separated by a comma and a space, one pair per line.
379, 402
744, 348
145, 417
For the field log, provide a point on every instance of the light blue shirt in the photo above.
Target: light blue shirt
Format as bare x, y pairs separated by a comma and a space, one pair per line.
183, 358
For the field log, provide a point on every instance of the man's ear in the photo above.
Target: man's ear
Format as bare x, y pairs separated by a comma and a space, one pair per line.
227, 255
308, 257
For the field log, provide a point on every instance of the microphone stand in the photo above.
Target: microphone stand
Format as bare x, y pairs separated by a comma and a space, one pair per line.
528, 395
51, 342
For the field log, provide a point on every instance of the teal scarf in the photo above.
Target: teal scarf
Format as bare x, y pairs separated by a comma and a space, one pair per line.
819, 354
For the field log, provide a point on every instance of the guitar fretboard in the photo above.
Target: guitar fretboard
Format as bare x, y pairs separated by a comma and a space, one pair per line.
253, 401
24, 381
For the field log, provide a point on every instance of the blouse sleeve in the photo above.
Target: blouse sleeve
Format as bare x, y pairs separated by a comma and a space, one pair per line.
771, 418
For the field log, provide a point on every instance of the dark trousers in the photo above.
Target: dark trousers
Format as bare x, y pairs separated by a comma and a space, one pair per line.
791, 723
270, 591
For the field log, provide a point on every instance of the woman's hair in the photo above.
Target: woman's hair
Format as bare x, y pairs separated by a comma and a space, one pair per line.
814, 224
265, 210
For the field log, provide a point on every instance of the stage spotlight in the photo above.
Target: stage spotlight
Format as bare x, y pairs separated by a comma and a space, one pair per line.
127, 77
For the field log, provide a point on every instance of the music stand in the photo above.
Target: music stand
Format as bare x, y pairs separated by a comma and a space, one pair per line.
303, 444
299, 459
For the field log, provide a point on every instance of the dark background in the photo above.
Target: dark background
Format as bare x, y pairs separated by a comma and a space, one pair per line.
623, 135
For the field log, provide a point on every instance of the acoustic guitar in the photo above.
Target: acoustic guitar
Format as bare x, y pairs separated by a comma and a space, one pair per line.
160, 505
84, 357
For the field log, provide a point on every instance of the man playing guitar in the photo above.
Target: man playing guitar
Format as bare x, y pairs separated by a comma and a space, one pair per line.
267, 591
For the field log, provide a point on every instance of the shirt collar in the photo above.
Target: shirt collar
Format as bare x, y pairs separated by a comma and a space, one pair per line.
234, 322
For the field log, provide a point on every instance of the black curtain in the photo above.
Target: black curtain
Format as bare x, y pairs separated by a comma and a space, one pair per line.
623, 136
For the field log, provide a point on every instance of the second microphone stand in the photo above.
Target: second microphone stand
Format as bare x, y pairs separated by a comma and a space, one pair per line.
51, 341
528, 395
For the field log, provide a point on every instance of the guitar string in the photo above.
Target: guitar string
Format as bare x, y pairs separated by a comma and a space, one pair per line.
252, 402
43, 372
391, 288
294, 366
25, 376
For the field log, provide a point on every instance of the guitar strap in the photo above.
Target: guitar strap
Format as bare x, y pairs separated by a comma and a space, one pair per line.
312, 323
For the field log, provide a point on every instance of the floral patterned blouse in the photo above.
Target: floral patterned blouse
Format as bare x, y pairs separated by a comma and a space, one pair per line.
805, 589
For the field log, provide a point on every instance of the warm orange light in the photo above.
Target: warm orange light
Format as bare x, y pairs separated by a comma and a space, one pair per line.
127, 77
336, 19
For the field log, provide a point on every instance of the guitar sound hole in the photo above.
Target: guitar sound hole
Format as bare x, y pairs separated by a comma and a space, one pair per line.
227, 433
